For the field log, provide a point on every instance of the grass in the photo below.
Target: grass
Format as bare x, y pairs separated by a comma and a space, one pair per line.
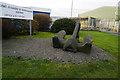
40, 35
20, 68
106, 41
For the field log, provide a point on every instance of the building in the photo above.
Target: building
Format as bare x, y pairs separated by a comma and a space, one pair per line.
41, 10
107, 17
54, 18
86, 22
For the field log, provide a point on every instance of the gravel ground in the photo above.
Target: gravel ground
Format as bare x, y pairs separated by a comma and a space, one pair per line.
40, 48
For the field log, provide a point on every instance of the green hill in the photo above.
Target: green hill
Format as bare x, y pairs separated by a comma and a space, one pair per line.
101, 13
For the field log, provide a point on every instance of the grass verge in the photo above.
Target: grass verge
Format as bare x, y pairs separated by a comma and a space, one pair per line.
21, 68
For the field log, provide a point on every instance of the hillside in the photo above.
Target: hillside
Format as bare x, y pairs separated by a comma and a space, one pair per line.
102, 12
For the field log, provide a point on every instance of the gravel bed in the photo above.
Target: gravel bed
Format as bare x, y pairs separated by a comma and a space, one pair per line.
40, 48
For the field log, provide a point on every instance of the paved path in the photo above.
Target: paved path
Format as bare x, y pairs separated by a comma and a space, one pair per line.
115, 33
39, 48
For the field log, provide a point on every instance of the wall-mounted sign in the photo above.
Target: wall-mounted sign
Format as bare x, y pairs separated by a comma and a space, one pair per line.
16, 12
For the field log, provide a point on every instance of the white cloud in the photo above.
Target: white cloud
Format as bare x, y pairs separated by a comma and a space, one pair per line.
63, 7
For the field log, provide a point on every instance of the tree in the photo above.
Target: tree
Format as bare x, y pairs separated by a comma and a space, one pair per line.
43, 19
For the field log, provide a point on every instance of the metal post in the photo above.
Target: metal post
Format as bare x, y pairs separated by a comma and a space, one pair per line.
71, 8
118, 26
114, 24
108, 24
0, 48
30, 30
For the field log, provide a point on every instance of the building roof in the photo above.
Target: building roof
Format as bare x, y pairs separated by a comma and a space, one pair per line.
106, 12
79, 18
41, 9
82, 17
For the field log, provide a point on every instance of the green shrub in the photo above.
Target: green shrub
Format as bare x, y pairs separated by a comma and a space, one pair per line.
8, 29
63, 24
43, 19
24, 27
35, 25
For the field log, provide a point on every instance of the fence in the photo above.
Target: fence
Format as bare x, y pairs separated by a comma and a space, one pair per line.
109, 25
100, 24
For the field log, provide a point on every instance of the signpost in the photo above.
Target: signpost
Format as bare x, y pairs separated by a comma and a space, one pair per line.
16, 12
30, 30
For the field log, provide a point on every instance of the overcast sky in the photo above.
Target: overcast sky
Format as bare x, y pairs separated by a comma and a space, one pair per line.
63, 7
